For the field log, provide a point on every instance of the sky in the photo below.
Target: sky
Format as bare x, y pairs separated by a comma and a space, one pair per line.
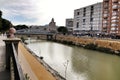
40, 12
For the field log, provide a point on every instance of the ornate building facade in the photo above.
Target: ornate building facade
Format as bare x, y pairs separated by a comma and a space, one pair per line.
52, 26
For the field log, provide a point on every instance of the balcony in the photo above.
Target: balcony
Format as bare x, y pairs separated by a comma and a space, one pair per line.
113, 28
105, 25
114, 25
115, 1
106, 6
115, 7
115, 21
105, 15
114, 17
104, 21
106, 12
115, 13
106, 0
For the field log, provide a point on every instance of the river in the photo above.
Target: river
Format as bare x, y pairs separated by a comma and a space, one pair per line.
76, 63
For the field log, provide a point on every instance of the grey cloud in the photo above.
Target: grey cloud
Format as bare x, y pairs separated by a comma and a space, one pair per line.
19, 7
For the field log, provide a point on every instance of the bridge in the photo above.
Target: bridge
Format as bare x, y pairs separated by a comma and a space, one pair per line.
36, 34
17, 62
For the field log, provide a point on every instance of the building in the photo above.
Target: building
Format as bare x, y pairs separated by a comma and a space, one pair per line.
34, 29
52, 26
88, 19
111, 17
69, 25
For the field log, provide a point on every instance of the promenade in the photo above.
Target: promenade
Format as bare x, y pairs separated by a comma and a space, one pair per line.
4, 75
31, 66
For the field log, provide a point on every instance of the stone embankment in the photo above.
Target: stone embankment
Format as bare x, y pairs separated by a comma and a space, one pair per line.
105, 45
40, 69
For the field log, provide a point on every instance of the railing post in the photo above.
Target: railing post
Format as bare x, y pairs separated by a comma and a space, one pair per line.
9, 50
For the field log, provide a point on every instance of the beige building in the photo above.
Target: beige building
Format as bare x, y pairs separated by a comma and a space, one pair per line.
88, 19
52, 26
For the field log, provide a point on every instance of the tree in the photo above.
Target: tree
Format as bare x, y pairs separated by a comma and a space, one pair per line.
62, 30
18, 27
4, 24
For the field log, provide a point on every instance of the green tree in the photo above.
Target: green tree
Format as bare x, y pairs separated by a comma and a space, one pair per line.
4, 24
62, 30
18, 27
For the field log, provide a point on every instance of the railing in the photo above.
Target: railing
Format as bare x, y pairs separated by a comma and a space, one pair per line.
12, 61
17, 70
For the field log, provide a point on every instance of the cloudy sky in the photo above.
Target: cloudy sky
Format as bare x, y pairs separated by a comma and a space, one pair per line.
40, 12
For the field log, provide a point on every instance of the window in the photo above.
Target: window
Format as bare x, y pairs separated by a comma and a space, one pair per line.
92, 8
78, 13
91, 13
77, 25
84, 12
83, 20
70, 23
91, 19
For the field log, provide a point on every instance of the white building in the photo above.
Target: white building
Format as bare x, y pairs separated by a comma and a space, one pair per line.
69, 24
88, 19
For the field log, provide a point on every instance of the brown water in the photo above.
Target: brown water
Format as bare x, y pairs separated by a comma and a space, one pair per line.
76, 63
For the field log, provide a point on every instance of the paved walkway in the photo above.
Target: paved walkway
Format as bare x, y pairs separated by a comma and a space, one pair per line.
4, 75
32, 67
2, 54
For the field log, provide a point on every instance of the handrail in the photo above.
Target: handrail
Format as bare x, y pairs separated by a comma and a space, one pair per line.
18, 73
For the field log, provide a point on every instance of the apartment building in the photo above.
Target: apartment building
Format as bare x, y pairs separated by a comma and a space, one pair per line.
88, 19
69, 24
111, 17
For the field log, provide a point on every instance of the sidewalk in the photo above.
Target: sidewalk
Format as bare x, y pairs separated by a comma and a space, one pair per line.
4, 75
2, 54
31, 66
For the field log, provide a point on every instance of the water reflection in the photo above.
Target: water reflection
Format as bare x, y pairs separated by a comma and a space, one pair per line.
83, 64
95, 65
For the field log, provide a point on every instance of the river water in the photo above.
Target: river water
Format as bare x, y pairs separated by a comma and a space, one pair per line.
75, 63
